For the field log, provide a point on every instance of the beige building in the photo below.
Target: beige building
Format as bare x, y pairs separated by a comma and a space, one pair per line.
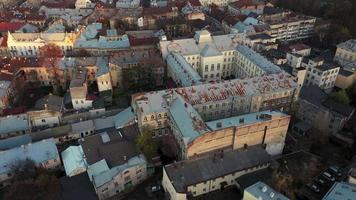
212, 57
346, 52
196, 137
79, 90
28, 44
346, 56
192, 178
287, 26
219, 100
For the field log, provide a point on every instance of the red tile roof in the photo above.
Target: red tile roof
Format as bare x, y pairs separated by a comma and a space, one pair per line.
10, 26
142, 41
14, 111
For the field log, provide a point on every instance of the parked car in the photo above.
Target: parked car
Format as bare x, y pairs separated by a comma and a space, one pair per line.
155, 188
320, 181
335, 170
328, 176
313, 187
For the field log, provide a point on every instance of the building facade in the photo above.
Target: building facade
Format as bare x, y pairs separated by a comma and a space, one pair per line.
192, 178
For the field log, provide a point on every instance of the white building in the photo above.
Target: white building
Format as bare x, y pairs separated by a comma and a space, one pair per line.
320, 73
128, 4
212, 57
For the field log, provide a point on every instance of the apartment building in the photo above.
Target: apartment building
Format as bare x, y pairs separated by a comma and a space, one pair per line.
192, 178
98, 40
346, 56
79, 90
346, 52
288, 26
196, 137
111, 162
323, 114
319, 72
212, 57
44, 154
29, 44
250, 64
219, 100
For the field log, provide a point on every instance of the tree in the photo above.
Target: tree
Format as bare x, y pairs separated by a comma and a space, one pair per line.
32, 183
50, 57
340, 97
145, 143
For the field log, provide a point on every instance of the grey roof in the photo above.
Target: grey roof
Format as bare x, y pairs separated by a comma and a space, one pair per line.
189, 172
303, 126
344, 110
348, 45
341, 191
113, 151
39, 152
345, 72
13, 142
258, 60
314, 95
52, 102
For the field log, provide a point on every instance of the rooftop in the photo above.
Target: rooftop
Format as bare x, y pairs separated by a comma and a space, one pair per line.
100, 174
187, 119
190, 172
73, 159
198, 44
213, 92
108, 146
349, 45
261, 190
243, 120
341, 191
13, 123
183, 70
13, 142
258, 60
39, 152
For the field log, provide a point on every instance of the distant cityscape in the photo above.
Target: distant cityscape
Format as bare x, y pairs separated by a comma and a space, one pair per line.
177, 100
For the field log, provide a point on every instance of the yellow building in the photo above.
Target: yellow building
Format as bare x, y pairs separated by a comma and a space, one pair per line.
28, 44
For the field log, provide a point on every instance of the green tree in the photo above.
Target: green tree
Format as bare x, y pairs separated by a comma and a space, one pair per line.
145, 143
340, 97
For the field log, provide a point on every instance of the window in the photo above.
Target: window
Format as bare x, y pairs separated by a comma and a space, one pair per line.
206, 68
43, 120
212, 67
218, 66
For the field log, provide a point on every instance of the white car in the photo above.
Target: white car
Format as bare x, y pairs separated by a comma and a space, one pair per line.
328, 176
